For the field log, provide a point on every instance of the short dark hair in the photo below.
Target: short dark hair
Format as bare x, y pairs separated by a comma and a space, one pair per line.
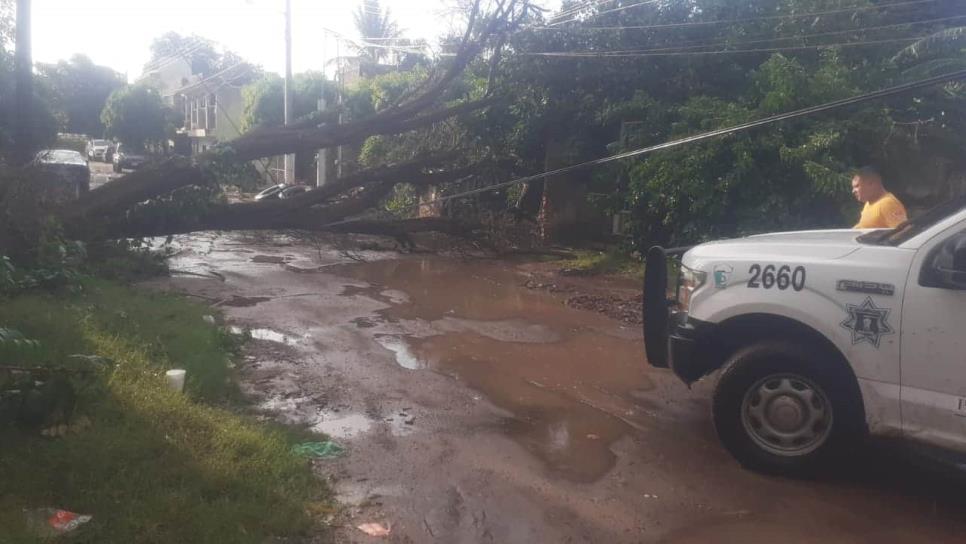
869, 172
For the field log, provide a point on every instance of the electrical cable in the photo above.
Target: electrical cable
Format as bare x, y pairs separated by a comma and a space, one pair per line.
783, 38
745, 20
821, 108
231, 120
614, 10
604, 54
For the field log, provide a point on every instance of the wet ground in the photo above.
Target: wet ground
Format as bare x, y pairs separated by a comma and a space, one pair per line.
475, 409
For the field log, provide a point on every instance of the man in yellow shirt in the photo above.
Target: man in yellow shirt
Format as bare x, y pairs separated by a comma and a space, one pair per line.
882, 209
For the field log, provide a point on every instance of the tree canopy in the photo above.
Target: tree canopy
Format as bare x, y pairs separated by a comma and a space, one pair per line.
135, 115
79, 90
202, 54
375, 25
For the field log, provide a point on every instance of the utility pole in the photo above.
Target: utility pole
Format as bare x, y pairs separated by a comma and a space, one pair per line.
25, 85
323, 161
290, 158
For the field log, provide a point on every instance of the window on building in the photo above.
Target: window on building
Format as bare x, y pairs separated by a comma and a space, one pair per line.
212, 111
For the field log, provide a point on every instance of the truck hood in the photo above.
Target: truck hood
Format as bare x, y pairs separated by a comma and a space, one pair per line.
815, 244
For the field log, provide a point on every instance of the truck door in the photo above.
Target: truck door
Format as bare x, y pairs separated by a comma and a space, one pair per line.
933, 392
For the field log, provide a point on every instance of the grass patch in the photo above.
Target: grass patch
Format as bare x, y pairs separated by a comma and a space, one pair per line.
156, 466
612, 261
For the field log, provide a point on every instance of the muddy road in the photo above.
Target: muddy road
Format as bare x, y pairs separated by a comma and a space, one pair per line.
477, 410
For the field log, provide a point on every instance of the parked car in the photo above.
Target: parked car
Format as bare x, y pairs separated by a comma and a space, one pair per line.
270, 193
822, 337
292, 191
68, 166
125, 157
99, 150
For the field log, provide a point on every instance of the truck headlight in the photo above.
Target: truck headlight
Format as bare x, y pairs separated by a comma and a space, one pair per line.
688, 282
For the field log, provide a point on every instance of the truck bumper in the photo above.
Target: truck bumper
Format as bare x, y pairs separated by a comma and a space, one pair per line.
672, 339
689, 342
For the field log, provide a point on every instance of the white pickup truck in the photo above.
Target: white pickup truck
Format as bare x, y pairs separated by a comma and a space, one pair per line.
822, 337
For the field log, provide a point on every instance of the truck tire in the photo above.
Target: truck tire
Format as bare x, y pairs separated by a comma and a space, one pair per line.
780, 411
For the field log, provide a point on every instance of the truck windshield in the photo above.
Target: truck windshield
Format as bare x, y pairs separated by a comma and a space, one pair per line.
912, 227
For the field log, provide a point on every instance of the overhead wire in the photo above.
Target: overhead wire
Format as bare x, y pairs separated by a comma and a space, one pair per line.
614, 10
604, 54
728, 43
744, 20
828, 106
228, 116
578, 8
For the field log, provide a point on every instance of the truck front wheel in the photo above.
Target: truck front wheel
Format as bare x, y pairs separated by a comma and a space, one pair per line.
781, 412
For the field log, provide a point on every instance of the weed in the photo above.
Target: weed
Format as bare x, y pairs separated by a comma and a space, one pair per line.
156, 466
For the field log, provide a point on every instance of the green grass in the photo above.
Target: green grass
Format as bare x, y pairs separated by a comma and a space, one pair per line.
612, 261
156, 466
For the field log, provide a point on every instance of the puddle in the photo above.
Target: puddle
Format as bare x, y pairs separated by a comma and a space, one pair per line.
569, 378
399, 346
267, 334
243, 302
343, 426
270, 259
350, 425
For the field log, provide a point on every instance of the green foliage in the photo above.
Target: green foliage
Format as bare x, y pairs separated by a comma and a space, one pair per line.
374, 25
156, 465
79, 91
135, 115
402, 202
613, 261
199, 52
264, 98
56, 263
786, 176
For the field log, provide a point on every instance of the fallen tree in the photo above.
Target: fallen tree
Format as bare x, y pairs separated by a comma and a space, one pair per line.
151, 201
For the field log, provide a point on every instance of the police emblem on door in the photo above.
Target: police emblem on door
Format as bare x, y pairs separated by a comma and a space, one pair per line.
867, 322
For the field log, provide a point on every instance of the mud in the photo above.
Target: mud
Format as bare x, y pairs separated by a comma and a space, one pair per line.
475, 409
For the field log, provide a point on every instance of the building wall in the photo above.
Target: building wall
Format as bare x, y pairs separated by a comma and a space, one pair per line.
231, 106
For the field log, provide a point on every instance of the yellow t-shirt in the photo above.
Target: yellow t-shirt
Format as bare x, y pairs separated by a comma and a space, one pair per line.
887, 212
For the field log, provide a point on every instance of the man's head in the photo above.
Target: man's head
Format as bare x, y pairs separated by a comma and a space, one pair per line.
867, 184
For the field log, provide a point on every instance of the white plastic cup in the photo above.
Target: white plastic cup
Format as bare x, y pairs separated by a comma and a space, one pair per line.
175, 379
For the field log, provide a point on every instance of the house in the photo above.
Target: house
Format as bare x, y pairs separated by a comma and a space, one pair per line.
167, 77
213, 107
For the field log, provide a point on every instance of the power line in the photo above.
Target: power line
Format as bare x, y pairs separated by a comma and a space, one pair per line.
605, 54
578, 8
231, 120
828, 106
727, 43
599, 13
746, 20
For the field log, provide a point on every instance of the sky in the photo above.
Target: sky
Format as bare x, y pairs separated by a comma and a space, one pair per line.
118, 33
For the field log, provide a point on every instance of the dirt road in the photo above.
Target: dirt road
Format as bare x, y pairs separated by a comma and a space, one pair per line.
476, 410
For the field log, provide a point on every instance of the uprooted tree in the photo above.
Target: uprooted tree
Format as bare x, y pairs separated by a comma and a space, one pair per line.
179, 195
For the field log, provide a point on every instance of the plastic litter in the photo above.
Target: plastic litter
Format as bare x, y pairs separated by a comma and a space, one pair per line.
319, 450
175, 379
375, 529
50, 522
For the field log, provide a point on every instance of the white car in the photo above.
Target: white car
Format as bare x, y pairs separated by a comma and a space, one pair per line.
822, 337
98, 150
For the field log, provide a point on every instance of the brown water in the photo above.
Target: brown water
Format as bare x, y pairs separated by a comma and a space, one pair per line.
567, 378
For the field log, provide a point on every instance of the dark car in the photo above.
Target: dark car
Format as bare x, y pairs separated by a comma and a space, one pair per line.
68, 166
271, 193
125, 157
293, 190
